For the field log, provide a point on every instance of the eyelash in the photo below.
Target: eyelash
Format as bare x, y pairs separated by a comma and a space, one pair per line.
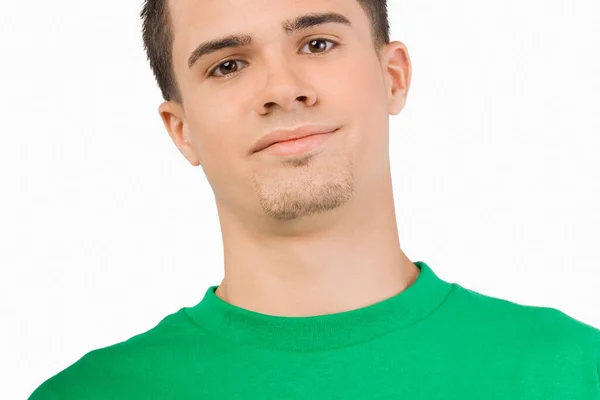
226, 76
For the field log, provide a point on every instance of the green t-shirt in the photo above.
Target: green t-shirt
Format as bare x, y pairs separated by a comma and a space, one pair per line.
434, 340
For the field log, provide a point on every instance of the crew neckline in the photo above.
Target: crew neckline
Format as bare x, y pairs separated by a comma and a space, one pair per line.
243, 326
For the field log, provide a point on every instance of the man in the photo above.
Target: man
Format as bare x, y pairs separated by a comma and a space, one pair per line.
285, 104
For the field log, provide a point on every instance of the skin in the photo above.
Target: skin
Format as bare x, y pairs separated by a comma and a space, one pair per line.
311, 234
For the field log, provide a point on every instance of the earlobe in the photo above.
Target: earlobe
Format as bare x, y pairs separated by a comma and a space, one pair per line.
172, 116
399, 71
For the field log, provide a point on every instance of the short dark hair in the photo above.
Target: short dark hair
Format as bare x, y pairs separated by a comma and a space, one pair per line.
158, 39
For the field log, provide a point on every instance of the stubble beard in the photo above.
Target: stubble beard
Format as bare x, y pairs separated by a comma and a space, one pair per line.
304, 191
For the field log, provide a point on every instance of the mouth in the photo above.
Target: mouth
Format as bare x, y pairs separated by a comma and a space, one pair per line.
289, 134
297, 146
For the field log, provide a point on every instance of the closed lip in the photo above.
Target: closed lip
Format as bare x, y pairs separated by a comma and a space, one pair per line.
281, 135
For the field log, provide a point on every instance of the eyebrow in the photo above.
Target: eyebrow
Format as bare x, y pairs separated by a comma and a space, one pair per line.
289, 26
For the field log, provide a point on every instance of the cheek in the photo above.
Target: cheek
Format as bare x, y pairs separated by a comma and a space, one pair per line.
217, 141
210, 139
369, 85
363, 91
366, 106
212, 121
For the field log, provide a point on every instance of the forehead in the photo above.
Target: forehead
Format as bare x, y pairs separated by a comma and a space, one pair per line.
195, 21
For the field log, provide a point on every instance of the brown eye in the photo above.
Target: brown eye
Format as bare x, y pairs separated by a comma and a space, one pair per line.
319, 45
225, 68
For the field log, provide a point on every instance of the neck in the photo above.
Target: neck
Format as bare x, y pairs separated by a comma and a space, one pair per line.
352, 260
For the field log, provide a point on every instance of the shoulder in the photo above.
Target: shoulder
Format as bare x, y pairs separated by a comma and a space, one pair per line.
96, 372
482, 308
548, 331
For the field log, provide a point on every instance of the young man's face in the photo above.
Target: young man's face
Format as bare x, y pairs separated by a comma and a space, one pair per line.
327, 75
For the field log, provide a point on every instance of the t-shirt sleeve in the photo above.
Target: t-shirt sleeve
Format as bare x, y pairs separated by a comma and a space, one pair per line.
598, 360
596, 352
43, 392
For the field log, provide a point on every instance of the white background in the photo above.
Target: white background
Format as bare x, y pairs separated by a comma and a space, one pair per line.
105, 228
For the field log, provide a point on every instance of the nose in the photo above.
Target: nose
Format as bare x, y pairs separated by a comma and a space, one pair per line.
286, 87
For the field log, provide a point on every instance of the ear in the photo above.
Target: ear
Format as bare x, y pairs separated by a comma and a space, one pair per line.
397, 73
173, 117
